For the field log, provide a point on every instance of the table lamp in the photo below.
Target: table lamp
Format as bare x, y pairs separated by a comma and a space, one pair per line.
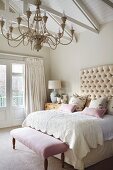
54, 84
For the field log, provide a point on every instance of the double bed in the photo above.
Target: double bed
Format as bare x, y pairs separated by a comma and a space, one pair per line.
90, 139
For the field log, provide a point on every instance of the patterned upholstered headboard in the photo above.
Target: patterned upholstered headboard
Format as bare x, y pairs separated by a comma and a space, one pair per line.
97, 82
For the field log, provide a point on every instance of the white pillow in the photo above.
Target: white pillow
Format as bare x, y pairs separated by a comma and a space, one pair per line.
78, 101
98, 103
110, 107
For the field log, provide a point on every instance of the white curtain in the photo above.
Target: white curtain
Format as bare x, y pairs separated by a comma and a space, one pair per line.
35, 88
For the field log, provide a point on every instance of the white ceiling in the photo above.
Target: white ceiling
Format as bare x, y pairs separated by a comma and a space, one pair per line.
82, 14
102, 12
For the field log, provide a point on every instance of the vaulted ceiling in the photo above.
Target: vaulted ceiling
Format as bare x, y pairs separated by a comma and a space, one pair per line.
82, 14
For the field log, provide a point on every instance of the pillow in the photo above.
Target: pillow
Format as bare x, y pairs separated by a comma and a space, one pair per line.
78, 101
97, 112
67, 108
98, 103
110, 107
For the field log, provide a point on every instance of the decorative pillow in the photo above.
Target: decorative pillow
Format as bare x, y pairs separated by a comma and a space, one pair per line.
78, 101
98, 103
97, 112
67, 108
110, 107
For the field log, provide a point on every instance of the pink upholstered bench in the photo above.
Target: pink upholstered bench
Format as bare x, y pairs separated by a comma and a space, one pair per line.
40, 143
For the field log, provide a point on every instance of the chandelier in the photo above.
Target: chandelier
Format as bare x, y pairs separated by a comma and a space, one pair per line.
36, 33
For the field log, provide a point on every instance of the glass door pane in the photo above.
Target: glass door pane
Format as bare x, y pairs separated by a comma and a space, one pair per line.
17, 91
18, 85
2, 86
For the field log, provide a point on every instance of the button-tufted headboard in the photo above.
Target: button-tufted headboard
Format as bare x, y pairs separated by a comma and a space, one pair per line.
97, 82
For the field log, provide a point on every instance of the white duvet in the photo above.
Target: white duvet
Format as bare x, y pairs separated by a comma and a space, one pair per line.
79, 131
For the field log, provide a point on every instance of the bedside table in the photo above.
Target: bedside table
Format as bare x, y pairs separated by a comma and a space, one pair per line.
49, 106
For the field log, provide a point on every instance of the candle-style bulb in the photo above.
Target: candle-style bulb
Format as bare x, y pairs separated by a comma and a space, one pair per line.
64, 14
44, 12
71, 27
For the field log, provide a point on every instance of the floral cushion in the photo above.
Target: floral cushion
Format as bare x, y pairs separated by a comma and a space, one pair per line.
110, 107
78, 101
98, 103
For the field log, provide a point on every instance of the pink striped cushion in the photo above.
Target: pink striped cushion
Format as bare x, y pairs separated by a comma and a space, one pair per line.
94, 112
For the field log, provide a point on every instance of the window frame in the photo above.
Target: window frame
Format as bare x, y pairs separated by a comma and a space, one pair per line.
3, 63
9, 74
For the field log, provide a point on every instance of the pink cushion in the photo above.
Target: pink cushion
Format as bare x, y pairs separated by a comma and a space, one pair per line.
94, 112
67, 108
39, 142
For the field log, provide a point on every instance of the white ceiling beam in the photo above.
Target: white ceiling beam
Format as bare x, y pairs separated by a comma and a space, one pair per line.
25, 6
69, 19
87, 14
58, 21
7, 15
6, 5
109, 3
54, 12
14, 7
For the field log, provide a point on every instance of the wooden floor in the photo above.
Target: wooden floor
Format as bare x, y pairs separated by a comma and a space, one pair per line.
103, 165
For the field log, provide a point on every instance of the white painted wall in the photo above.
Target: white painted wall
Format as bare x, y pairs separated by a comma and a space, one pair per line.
90, 50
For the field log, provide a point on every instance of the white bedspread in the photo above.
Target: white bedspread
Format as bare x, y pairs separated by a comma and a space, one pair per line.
107, 126
79, 131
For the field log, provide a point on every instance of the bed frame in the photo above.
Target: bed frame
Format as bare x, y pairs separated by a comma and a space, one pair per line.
98, 82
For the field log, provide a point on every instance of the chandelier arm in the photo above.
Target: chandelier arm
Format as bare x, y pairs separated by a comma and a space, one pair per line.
66, 43
56, 38
23, 34
20, 31
15, 45
11, 39
52, 41
51, 46
3, 33
28, 23
15, 39
24, 42
49, 34
19, 38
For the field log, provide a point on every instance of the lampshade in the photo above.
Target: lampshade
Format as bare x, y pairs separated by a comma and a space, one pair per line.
54, 84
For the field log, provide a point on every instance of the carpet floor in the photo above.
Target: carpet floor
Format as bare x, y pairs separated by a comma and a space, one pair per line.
24, 159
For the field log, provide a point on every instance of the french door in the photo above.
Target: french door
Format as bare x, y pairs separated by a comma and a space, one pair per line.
11, 93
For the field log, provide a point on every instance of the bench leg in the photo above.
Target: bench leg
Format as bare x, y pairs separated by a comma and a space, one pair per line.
62, 159
45, 164
13, 142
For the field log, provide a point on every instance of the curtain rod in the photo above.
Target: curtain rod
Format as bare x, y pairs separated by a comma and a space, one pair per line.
20, 55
